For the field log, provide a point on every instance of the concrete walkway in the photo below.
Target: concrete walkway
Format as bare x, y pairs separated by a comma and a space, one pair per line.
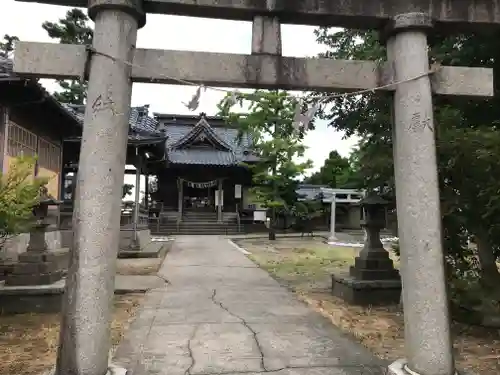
221, 314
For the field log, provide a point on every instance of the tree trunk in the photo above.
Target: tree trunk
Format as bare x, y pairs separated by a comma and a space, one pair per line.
272, 225
490, 277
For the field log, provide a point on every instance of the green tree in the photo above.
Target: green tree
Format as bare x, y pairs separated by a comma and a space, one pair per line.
336, 172
19, 193
467, 142
127, 190
269, 121
74, 28
7, 45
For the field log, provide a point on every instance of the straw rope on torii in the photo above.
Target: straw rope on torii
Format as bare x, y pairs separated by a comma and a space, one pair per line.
301, 118
89, 287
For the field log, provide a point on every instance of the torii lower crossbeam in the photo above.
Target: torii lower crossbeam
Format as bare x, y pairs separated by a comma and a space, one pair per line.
62, 61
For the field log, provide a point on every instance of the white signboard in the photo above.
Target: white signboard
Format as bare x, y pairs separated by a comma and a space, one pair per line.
237, 191
259, 216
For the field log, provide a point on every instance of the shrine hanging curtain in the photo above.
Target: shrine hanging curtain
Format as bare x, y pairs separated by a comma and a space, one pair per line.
201, 185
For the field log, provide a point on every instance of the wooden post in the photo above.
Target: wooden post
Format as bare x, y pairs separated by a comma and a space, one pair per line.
180, 190
219, 198
135, 242
146, 191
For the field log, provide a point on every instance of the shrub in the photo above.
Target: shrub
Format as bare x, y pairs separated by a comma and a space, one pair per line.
19, 193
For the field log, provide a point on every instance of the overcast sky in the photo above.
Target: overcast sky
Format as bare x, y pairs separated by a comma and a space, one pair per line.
183, 33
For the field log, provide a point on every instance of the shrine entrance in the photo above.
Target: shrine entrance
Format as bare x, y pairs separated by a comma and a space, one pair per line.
200, 197
113, 63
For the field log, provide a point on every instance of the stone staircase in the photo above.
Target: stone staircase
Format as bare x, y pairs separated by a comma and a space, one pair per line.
197, 223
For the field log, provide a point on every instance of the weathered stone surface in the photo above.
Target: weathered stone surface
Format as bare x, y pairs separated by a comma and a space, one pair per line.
18, 244
449, 15
87, 305
150, 250
367, 274
20, 279
23, 298
132, 7
137, 283
266, 36
126, 237
428, 346
238, 320
48, 60
364, 293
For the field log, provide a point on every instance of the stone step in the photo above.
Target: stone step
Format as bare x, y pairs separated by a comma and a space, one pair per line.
196, 232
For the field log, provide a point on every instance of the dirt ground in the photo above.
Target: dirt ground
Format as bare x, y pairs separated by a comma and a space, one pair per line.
305, 264
138, 266
29, 341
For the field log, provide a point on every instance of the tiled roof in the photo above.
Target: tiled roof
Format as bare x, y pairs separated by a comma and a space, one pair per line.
7, 74
233, 153
142, 126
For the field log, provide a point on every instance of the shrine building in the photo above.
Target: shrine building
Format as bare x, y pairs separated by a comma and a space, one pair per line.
204, 181
195, 167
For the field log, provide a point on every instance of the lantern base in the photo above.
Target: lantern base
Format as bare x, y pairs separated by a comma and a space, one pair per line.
366, 292
39, 268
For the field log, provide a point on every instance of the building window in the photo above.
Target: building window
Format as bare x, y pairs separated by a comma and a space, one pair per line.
49, 155
20, 142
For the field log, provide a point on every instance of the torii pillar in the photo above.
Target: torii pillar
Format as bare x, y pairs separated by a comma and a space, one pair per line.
427, 342
85, 338
426, 313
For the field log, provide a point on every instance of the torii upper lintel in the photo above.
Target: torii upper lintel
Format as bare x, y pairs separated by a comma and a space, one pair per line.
451, 16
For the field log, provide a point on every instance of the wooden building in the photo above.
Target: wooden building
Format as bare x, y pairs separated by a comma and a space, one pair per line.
33, 123
205, 168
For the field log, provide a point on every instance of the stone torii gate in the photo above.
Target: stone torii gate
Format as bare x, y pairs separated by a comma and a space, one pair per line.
113, 63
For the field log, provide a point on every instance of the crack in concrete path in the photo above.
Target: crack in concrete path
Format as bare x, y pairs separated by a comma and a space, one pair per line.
246, 325
372, 370
190, 352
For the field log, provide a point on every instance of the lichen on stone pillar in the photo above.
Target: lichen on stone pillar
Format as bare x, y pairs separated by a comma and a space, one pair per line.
85, 337
427, 324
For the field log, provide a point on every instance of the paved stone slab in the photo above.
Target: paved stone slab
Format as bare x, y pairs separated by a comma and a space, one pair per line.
212, 277
137, 283
222, 315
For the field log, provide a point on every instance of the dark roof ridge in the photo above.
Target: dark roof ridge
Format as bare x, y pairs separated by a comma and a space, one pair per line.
202, 126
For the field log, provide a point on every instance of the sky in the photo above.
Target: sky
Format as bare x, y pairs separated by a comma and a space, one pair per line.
185, 33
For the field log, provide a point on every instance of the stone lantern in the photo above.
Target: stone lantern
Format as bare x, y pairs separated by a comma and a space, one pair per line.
39, 265
372, 279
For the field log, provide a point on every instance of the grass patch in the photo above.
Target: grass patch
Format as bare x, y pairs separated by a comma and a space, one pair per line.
306, 265
29, 341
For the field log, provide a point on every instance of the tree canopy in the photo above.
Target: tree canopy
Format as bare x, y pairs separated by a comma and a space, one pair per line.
74, 28
269, 120
467, 141
7, 45
336, 172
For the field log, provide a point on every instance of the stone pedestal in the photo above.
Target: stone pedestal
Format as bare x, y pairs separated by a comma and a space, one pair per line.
366, 292
372, 280
38, 265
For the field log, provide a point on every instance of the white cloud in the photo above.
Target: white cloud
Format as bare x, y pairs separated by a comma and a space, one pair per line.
183, 33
